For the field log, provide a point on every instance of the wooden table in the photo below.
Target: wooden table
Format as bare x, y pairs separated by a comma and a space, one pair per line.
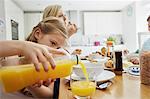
123, 87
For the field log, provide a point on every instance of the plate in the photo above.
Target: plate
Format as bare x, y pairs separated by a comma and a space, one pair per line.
104, 76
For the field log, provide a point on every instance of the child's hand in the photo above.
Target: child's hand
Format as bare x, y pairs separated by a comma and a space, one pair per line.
48, 82
38, 53
41, 82
38, 84
42, 89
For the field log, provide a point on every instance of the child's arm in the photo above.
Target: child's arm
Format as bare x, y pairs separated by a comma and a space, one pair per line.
34, 52
10, 48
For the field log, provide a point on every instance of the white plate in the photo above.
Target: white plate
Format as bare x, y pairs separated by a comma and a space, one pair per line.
104, 76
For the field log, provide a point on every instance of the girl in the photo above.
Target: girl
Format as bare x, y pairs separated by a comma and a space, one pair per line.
51, 32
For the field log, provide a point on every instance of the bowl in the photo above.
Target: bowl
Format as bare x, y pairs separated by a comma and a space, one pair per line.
93, 70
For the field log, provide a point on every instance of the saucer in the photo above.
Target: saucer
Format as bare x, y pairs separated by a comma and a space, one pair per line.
134, 70
104, 76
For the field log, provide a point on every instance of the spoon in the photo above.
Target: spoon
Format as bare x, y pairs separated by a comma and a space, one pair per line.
104, 85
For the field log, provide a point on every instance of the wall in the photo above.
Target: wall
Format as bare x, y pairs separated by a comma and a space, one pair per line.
14, 12
129, 27
142, 13
2, 21
134, 21
31, 20
102, 23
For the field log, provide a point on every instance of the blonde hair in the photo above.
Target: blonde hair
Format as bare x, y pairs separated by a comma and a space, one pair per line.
47, 26
51, 10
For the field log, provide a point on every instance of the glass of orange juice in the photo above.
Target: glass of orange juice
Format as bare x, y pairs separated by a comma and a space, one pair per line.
82, 88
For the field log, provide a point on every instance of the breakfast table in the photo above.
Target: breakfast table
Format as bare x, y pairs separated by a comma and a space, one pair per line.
125, 86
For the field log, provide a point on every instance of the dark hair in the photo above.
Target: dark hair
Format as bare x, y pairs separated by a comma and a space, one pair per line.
148, 18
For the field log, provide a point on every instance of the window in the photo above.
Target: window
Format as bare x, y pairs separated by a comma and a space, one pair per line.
14, 28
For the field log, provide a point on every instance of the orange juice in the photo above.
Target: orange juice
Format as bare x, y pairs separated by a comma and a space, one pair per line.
15, 78
84, 71
83, 88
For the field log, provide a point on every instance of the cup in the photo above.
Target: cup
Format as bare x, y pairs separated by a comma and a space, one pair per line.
82, 88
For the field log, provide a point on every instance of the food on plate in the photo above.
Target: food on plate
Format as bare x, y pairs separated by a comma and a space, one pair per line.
109, 64
103, 51
127, 64
77, 52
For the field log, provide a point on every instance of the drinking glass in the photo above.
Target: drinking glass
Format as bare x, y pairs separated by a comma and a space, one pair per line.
82, 88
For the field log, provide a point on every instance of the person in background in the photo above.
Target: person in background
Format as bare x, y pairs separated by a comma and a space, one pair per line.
146, 46
57, 11
52, 32
35, 52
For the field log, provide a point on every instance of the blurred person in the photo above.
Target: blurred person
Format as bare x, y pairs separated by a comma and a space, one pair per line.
57, 11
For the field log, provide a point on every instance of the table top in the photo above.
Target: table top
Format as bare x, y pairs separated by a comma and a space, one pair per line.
124, 86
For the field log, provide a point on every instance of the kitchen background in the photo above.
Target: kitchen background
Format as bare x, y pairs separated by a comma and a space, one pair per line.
96, 19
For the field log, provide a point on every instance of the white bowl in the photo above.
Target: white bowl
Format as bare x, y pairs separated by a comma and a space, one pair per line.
93, 70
